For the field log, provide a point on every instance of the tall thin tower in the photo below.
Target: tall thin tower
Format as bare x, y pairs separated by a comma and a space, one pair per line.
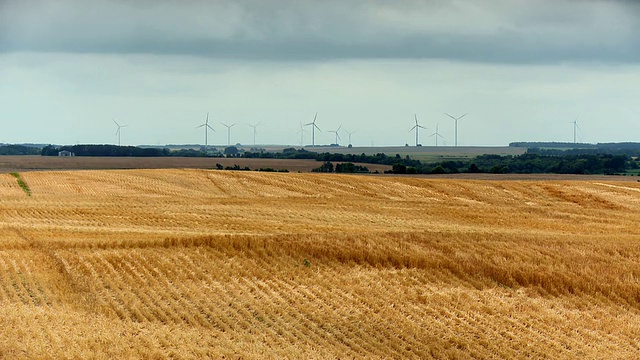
301, 132
254, 131
456, 122
206, 127
417, 128
337, 132
228, 132
437, 135
350, 133
118, 131
313, 129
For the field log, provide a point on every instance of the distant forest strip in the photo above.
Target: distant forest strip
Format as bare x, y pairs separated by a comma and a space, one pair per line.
607, 159
529, 164
565, 148
19, 150
105, 150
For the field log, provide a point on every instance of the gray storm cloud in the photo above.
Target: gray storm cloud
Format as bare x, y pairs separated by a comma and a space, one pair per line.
498, 31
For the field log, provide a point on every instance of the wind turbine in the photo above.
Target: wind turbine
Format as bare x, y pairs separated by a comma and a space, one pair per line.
416, 127
206, 127
436, 134
313, 130
254, 131
350, 133
456, 120
301, 132
337, 135
575, 129
118, 131
228, 132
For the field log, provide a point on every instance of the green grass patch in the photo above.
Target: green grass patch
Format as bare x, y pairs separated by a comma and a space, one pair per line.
22, 183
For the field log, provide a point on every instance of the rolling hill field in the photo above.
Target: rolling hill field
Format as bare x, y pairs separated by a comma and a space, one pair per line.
186, 263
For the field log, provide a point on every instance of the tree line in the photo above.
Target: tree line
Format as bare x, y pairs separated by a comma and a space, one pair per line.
564, 148
527, 164
105, 150
19, 150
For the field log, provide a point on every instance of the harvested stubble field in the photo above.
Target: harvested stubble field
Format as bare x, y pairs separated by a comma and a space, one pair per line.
196, 263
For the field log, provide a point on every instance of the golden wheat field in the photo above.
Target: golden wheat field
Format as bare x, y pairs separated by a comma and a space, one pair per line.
215, 264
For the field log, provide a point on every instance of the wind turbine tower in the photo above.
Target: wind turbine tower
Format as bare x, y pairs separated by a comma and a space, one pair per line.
118, 130
206, 127
350, 133
456, 121
436, 134
337, 134
254, 131
313, 130
228, 132
301, 132
417, 128
575, 130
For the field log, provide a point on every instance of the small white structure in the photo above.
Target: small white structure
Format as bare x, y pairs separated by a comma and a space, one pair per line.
65, 153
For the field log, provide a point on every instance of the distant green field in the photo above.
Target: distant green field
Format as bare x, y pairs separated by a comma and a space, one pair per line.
422, 153
426, 153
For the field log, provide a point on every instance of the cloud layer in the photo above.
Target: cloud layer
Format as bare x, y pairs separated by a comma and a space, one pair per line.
498, 31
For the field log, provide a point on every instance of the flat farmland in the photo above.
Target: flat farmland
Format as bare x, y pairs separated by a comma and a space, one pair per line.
426, 153
188, 263
32, 163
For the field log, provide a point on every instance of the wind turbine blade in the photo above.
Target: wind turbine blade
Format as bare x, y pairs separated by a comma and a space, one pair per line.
198, 127
413, 128
462, 116
232, 125
316, 126
339, 127
315, 117
209, 126
452, 116
309, 124
415, 116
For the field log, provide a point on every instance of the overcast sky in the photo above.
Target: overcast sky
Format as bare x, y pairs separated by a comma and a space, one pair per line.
522, 70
